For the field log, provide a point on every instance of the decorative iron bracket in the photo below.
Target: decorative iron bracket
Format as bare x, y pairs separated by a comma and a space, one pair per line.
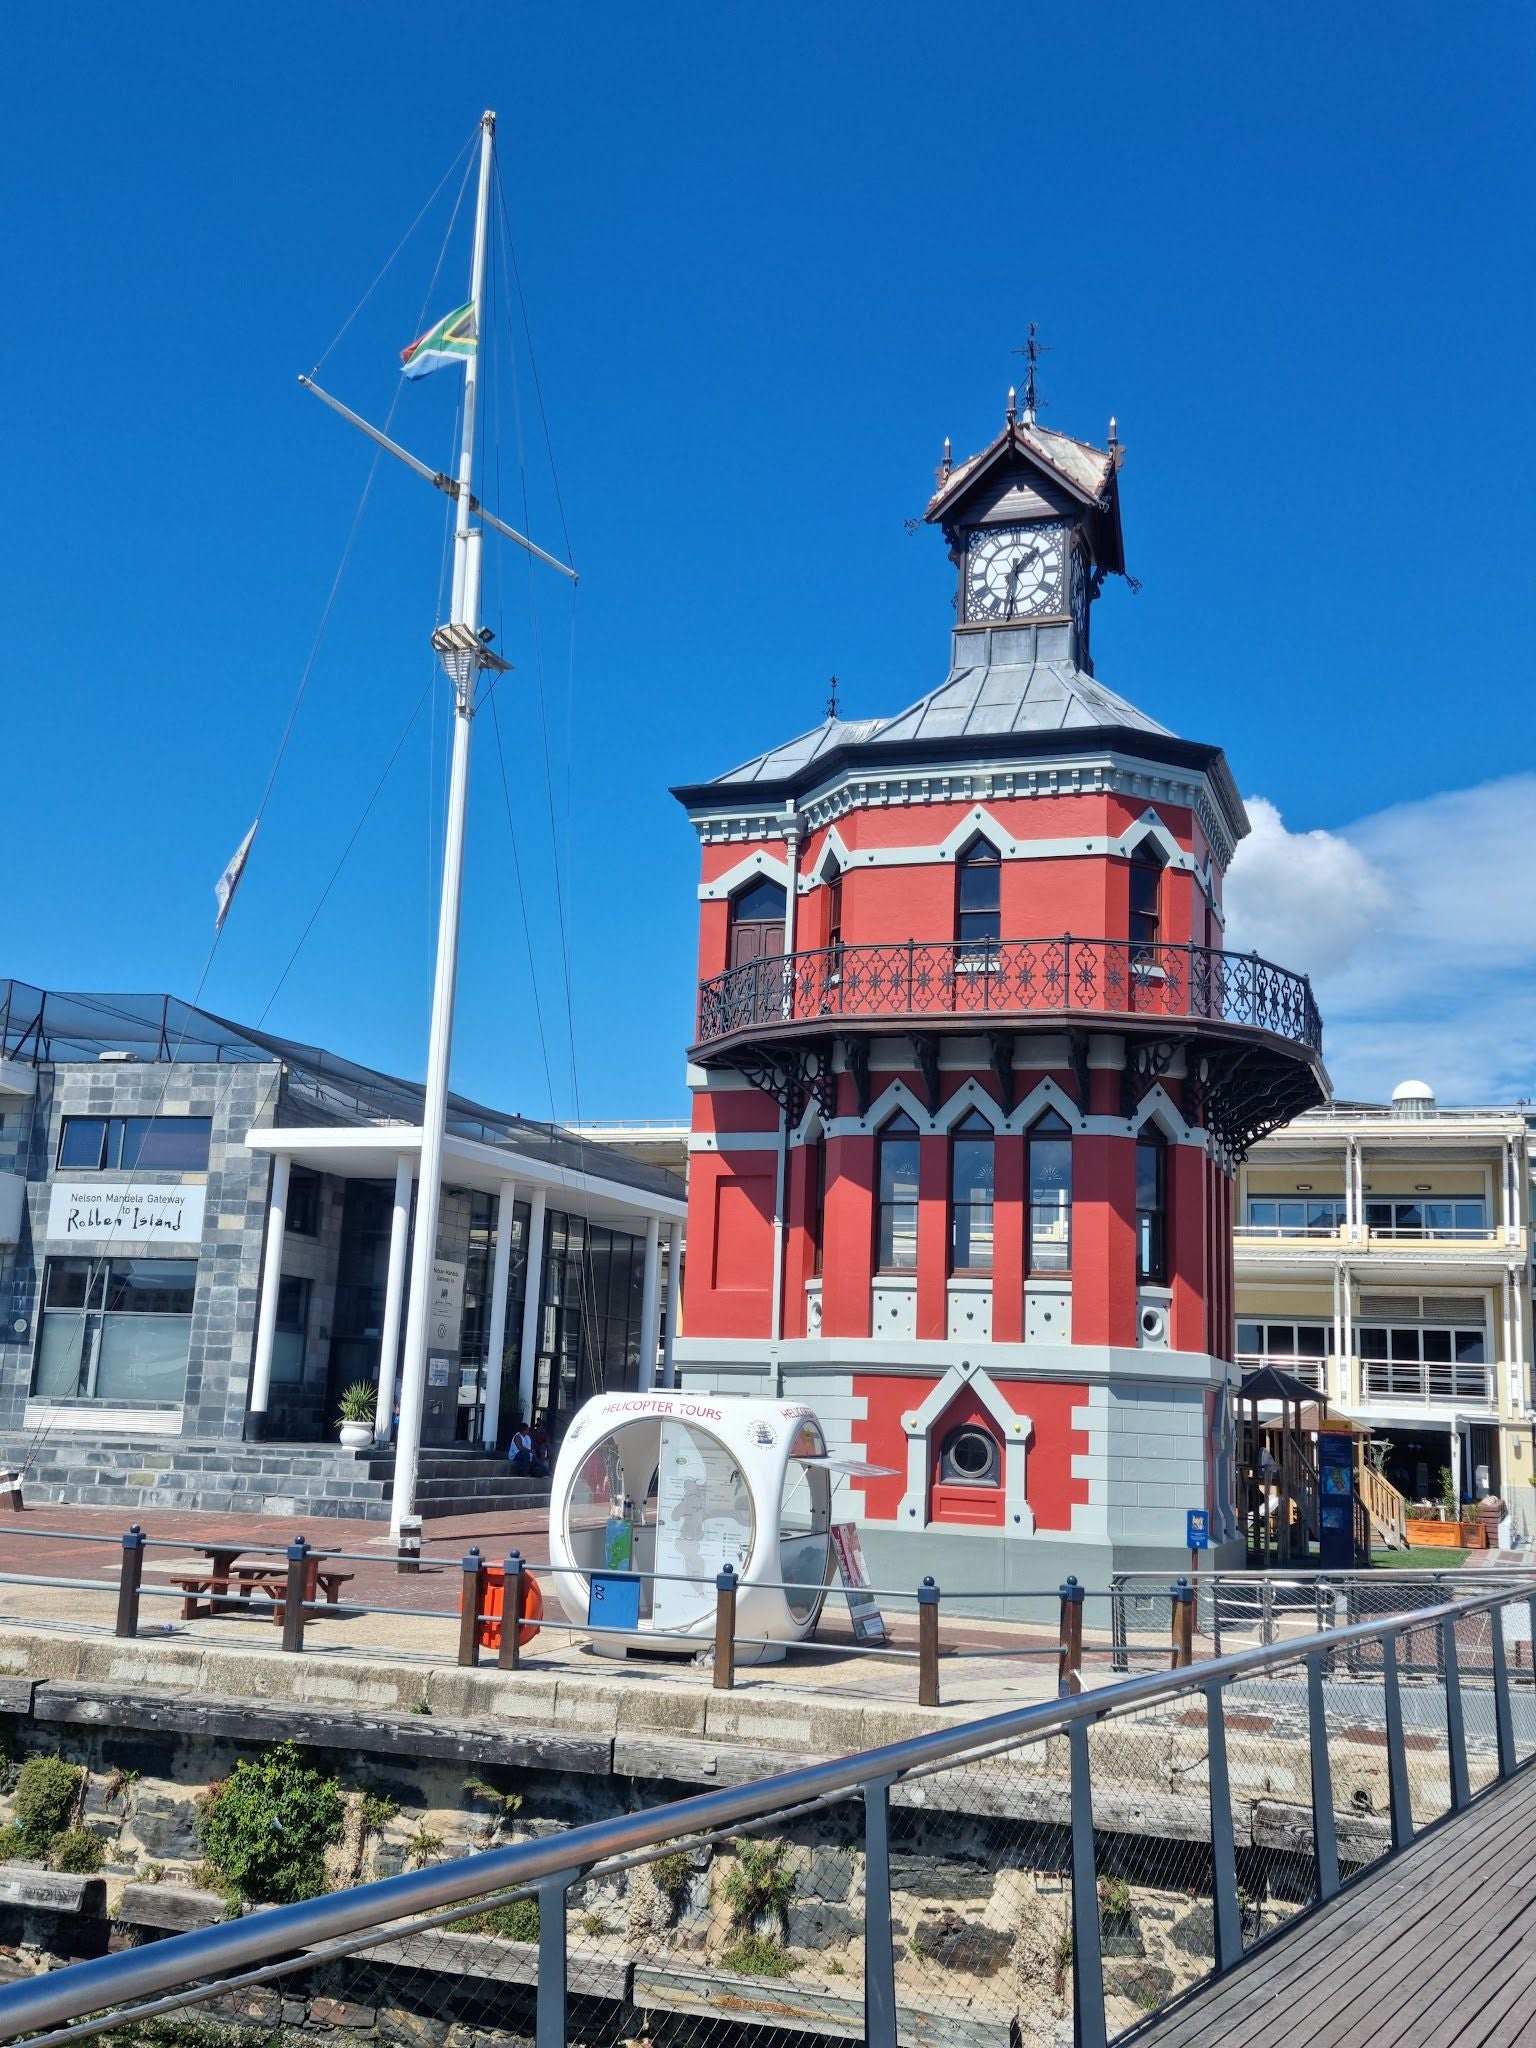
925, 1050
1146, 1062
1000, 1052
856, 1060
1077, 1046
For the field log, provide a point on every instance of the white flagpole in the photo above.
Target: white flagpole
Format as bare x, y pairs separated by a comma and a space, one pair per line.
463, 669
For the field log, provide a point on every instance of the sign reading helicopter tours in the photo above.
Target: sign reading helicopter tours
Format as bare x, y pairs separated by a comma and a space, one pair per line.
125, 1212
703, 1523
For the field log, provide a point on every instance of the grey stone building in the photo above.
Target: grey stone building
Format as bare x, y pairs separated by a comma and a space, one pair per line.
205, 1234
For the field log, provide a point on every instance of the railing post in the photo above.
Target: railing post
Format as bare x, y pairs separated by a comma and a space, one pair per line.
879, 1953
1119, 1632
295, 1593
1502, 1718
928, 1644
1325, 1840
1455, 1721
1229, 1912
1267, 1612
471, 1605
911, 950
509, 1656
128, 1583
1069, 1656
549, 2029
1399, 1795
1088, 2029
725, 1630
1181, 1594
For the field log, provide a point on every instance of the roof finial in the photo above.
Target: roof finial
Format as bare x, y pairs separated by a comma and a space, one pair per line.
949, 461
1114, 436
832, 689
1013, 409
1031, 352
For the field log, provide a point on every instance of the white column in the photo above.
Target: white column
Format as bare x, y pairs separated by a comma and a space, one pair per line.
271, 1280
394, 1298
1351, 1364
650, 1304
1340, 1368
1456, 1459
496, 1334
1517, 1354
674, 1300
533, 1285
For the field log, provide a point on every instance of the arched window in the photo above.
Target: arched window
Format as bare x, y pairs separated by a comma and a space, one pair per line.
757, 921
971, 1181
978, 900
1146, 900
816, 1197
1151, 1207
834, 906
896, 1211
1049, 1167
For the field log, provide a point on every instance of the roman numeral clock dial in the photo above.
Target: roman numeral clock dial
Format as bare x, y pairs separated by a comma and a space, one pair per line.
1014, 572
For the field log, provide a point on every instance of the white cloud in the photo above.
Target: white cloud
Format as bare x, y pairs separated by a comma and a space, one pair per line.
1418, 926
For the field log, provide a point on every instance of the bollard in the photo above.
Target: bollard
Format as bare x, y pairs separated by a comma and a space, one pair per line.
1069, 1660
295, 1593
510, 1654
1182, 1595
928, 1644
725, 1630
129, 1582
471, 1605
408, 1546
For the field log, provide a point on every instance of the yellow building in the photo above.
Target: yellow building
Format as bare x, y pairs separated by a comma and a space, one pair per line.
1384, 1257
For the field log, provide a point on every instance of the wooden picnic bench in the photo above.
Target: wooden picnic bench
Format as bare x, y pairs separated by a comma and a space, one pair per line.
226, 1586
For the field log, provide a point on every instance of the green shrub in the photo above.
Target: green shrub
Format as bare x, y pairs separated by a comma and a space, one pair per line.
47, 1793
518, 1921
758, 1883
1114, 1898
76, 1850
267, 1826
759, 1955
376, 1812
423, 1847
671, 1873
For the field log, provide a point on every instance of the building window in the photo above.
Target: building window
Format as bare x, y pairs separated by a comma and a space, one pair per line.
972, 1169
291, 1331
970, 1456
301, 1218
1049, 1166
1151, 1209
174, 1144
896, 1216
978, 901
1424, 1366
757, 922
816, 1194
1310, 1216
1297, 1348
115, 1330
1146, 901
1426, 1216
834, 906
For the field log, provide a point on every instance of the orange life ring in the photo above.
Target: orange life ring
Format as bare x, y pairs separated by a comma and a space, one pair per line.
532, 1611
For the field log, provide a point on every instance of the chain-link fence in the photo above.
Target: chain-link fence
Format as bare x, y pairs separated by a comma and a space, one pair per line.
1052, 1875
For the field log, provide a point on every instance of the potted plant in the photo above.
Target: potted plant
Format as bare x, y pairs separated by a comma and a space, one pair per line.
355, 1415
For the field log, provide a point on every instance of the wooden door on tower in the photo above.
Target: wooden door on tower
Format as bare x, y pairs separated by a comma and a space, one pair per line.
757, 922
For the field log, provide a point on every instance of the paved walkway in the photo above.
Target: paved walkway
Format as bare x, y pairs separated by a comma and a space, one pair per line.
1436, 1948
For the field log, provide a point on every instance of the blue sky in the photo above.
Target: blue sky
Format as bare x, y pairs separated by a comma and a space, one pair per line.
771, 258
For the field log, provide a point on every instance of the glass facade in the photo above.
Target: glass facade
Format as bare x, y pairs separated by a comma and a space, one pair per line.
177, 1144
115, 1330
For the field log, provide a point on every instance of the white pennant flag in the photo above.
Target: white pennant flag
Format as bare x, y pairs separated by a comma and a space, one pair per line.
224, 888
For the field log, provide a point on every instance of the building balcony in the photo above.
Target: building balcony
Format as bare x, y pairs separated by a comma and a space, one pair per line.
1388, 1383
753, 1013
943, 981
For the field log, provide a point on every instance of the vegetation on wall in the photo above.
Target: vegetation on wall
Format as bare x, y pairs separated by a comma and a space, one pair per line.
48, 1792
267, 1826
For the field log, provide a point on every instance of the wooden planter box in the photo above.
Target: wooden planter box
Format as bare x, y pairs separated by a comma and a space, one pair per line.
1445, 1535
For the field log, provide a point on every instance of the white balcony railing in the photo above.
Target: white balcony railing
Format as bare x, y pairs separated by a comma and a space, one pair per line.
1312, 1372
1427, 1386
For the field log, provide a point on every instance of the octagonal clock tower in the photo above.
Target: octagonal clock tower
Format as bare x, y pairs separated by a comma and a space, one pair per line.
973, 1069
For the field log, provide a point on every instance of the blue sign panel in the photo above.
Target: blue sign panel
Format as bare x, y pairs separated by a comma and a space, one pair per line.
613, 1600
1197, 1525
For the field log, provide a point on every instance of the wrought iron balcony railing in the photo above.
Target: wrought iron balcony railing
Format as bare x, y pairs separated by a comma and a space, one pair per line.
999, 979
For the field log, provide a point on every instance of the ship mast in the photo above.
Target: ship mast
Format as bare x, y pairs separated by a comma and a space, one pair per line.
463, 657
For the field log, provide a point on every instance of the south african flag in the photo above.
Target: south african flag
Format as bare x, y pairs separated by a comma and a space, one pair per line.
450, 341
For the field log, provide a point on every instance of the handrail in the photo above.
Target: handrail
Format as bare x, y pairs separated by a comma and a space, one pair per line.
1005, 977
91, 1987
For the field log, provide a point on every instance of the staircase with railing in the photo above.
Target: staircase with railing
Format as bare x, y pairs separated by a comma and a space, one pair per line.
1387, 1508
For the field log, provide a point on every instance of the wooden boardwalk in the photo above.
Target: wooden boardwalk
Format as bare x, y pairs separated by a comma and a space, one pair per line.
1437, 1947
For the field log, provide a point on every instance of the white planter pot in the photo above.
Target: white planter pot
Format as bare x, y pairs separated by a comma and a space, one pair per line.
356, 1436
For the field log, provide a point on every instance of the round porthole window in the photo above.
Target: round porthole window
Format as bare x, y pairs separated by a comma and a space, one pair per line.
970, 1456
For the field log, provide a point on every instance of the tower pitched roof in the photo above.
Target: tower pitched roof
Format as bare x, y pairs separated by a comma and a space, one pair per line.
1088, 475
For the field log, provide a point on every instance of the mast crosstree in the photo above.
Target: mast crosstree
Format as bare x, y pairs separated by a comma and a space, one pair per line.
462, 647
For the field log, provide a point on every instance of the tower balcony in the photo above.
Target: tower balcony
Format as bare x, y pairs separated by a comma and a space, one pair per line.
1254, 1027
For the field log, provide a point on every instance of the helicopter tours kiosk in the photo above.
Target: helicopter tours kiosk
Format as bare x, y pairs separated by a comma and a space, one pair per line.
654, 1494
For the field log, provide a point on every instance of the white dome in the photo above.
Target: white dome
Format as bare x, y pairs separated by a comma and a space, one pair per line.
1413, 1098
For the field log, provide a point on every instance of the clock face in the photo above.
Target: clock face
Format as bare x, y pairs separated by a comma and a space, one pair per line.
1014, 572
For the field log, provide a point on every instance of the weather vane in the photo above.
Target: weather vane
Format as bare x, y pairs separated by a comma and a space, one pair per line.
832, 696
1032, 351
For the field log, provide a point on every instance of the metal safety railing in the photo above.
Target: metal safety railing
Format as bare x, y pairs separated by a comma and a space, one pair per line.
1063, 1869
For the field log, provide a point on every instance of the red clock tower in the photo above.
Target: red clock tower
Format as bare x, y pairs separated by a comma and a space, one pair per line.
973, 1070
